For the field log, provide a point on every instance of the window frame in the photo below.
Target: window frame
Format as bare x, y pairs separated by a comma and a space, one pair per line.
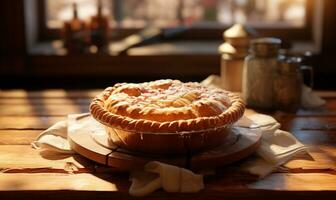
195, 33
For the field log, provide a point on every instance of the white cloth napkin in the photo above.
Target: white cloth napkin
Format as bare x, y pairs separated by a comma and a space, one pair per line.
309, 99
159, 175
154, 176
54, 138
277, 147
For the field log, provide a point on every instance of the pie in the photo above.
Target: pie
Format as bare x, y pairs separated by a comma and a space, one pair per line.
166, 116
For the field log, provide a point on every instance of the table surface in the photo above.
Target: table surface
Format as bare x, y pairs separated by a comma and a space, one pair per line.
28, 173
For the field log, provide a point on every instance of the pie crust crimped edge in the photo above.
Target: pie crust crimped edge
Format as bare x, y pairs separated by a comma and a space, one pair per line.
229, 116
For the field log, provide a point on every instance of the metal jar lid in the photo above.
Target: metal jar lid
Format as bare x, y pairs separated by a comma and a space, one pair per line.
265, 47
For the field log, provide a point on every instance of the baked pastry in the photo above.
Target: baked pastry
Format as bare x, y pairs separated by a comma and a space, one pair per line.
166, 116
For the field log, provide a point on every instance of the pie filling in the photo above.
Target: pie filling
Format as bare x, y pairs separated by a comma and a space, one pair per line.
166, 101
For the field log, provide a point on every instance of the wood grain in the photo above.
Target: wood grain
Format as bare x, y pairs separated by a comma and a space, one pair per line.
316, 161
329, 109
56, 181
316, 138
326, 94
24, 156
18, 137
51, 93
295, 182
29, 173
28, 122
49, 101
293, 123
42, 110
93, 182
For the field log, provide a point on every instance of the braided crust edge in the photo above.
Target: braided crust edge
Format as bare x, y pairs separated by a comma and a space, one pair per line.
229, 116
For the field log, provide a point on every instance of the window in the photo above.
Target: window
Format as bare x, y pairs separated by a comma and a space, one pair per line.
290, 19
201, 13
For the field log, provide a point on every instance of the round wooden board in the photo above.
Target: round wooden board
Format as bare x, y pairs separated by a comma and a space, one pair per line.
241, 143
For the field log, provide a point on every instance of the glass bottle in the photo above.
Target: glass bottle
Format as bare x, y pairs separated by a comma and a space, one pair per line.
259, 73
99, 28
288, 84
73, 32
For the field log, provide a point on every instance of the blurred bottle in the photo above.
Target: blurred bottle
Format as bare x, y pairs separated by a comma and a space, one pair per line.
99, 28
74, 33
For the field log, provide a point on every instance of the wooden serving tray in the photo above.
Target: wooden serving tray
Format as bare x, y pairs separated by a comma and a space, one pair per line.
241, 143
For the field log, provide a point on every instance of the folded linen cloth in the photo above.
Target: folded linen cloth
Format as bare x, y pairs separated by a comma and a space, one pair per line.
169, 177
276, 148
54, 138
154, 176
309, 99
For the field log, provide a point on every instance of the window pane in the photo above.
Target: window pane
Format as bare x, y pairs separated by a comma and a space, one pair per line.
164, 13
62, 10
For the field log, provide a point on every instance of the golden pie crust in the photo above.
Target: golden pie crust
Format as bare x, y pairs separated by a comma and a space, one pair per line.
161, 111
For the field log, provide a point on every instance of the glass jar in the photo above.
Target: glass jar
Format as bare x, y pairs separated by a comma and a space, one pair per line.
288, 84
259, 73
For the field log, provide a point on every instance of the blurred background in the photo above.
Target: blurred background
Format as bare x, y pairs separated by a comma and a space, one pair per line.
95, 43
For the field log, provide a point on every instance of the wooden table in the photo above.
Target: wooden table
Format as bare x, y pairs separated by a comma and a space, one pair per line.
28, 173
